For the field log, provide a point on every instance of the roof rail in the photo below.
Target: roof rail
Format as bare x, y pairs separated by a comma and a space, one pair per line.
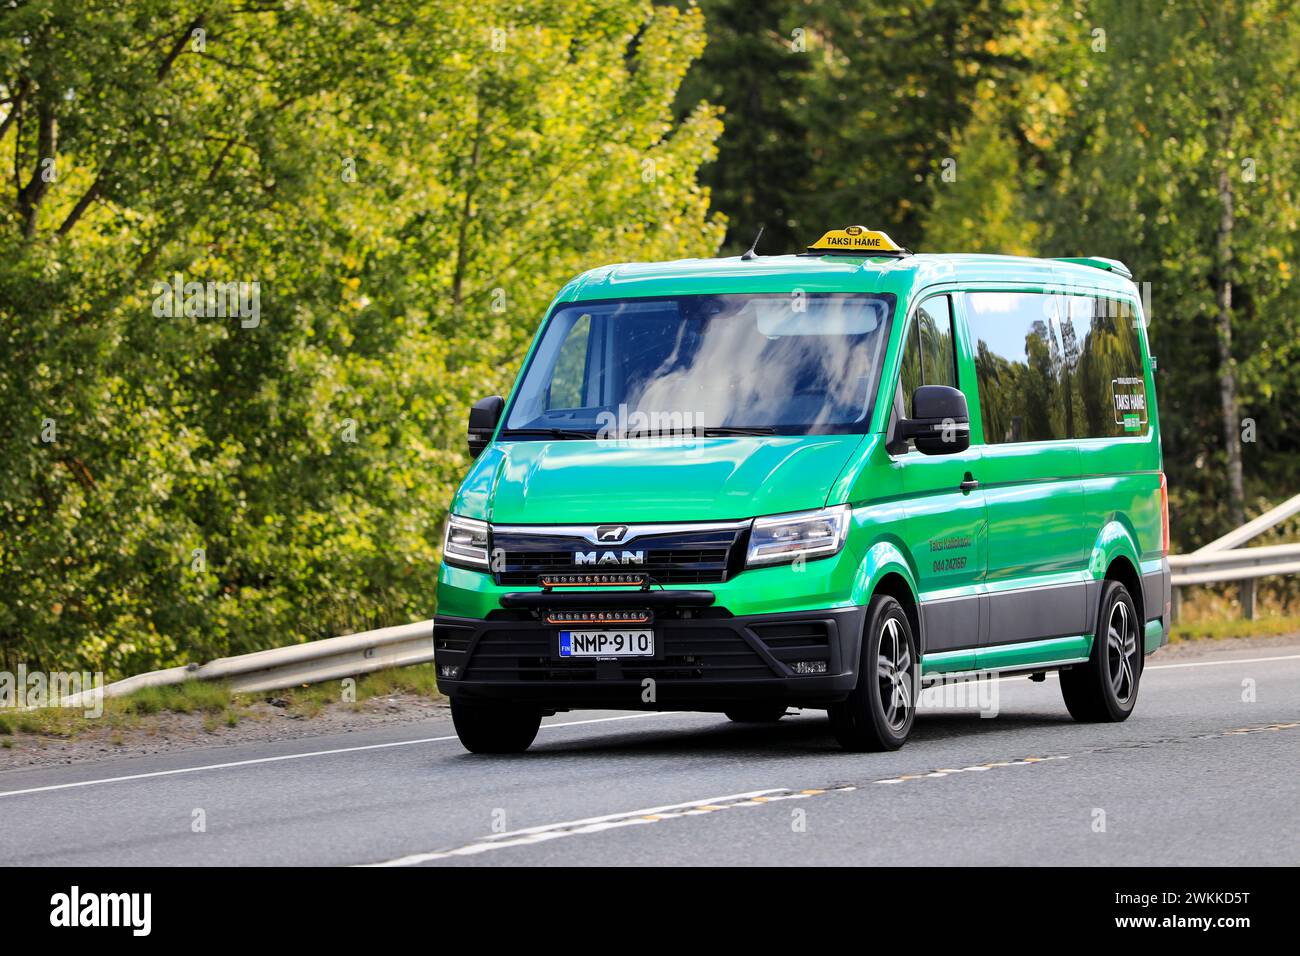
1098, 262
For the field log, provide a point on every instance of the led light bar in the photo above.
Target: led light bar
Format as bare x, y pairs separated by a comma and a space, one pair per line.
596, 579
599, 617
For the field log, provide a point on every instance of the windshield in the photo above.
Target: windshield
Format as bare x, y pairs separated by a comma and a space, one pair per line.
790, 363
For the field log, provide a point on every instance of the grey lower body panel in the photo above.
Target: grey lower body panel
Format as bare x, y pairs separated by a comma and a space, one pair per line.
1005, 617
1037, 613
1029, 614
952, 624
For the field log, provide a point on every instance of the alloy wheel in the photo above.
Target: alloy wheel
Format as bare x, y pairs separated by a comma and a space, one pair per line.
1122, 646
894, 671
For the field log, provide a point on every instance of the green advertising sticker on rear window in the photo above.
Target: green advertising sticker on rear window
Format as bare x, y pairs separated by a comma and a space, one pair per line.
1130, 398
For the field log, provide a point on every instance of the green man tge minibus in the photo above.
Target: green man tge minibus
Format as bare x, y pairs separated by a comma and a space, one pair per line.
822, 480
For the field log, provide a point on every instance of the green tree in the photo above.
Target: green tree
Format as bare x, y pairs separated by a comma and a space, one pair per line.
840, 113
981, 200
407, 183
1166, 136
1188, 162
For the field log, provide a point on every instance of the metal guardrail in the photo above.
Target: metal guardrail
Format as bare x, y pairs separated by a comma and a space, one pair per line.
338, 657
279, 667
1223, 559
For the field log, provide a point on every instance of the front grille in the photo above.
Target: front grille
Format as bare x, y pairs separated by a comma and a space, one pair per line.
451, 637
675, 557
687, 654
796, 640
694, 567
796, 634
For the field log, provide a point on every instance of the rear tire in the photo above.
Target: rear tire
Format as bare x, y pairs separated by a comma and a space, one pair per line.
494, 728
759, 713
880, 711
1105, 689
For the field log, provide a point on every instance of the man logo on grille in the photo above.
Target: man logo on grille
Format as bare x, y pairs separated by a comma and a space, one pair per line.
609, 557
610, 532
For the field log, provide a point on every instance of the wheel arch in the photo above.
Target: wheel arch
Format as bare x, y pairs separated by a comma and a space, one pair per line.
1115, 558
894, 585
1122, 569
886, 570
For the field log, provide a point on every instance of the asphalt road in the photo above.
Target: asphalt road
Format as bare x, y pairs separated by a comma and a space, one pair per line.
1200, 774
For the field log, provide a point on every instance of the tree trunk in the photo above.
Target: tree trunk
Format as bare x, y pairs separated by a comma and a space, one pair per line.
466, 213
29, 197
1227, 369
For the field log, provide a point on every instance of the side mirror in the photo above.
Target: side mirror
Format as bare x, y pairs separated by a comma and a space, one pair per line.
483, 418
940, 422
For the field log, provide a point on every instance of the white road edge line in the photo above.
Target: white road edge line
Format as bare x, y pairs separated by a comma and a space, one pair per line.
434, 740
312, 753
551, 831
1235, 660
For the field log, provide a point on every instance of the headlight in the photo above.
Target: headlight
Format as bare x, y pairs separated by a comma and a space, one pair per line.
465, 542
808, 534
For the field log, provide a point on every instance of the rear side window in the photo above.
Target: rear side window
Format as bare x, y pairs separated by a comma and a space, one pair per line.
1019, 366
929, 358
1055, 366
1103, 362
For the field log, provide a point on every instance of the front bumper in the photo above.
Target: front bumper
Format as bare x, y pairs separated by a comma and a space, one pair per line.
704, 659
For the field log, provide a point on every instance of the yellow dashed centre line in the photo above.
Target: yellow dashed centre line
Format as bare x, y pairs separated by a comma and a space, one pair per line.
755, 798
950, 771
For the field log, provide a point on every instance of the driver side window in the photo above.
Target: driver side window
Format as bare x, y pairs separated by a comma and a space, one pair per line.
929, 357
569, 380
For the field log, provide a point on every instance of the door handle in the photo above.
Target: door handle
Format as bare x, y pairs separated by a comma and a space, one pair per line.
970, 483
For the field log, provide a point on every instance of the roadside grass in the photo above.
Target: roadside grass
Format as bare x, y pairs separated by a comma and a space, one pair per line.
191, 697
309, 700
120, 713
1271, 626
1214, 612
214, 702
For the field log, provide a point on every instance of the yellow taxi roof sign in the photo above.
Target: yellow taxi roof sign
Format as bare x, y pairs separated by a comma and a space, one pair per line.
855, 239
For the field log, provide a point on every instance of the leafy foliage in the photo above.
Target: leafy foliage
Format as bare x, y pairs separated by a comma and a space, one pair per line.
407, 182
840, 113
1121, 137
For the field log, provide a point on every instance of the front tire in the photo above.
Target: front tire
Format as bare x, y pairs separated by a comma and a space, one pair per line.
1105, 689
880, 711
494, 728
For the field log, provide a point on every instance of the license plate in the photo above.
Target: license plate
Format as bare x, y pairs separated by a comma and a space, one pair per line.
607, 643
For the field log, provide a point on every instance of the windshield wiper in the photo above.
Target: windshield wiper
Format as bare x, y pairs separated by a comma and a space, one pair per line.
552, 432
742, 430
